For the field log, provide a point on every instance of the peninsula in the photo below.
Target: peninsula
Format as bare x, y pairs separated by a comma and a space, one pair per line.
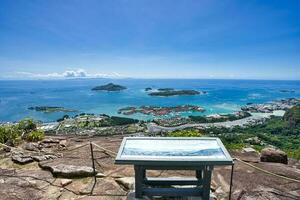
109, 87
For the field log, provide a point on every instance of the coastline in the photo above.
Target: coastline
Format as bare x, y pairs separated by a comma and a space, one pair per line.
100, 124
223, 96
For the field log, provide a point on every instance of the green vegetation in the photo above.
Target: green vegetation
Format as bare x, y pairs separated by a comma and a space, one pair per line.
35, 136
168, 92
222, 118
185, 133
108, 121
110, 87
26, 126
9, 133
292, 117
25, 129
282, 132
117, 121
274, 131
232, 141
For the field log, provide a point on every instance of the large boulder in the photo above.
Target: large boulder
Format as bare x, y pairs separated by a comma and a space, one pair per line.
67, 171
273, 155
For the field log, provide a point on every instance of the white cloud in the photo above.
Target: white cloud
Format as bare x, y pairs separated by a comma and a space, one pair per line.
77, 73
80, 73
36, 75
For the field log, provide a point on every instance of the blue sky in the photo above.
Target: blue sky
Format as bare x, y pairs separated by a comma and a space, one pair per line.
150, 39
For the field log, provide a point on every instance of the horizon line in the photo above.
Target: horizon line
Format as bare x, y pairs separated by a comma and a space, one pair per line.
141, 78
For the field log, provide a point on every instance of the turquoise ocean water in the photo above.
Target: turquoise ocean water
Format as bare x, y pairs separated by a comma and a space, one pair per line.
224, 96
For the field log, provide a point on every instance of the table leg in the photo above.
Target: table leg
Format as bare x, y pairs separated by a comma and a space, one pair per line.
199, 175
231, 179
143, 170
206, 181
139, 177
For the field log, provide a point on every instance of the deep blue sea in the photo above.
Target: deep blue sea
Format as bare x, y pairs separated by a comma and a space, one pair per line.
224, 96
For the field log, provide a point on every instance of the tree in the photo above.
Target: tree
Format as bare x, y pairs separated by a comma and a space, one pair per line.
292, 116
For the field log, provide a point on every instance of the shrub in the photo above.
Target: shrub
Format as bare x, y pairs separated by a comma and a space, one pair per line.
3, 135
294, 153
185, 133
234, 146
292, 116
26, 125
35, 136
9, 132
25, 128
232, 141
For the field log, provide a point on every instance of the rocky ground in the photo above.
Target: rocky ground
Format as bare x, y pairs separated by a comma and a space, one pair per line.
60, 167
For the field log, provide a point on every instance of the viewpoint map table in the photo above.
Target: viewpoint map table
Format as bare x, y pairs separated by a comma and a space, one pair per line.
200, 154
